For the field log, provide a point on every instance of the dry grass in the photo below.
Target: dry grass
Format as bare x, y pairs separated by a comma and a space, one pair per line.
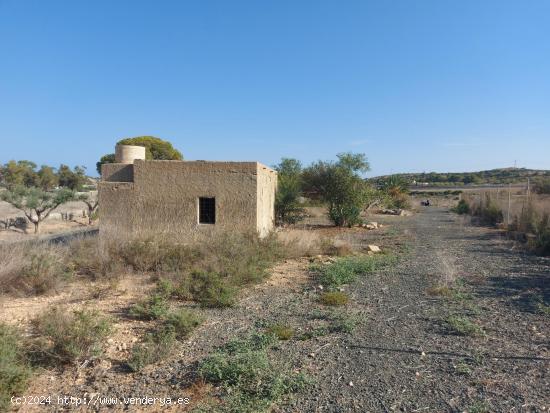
32, 269
516, 211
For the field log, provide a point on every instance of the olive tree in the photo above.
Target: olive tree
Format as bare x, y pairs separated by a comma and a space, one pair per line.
92, 204
36, 203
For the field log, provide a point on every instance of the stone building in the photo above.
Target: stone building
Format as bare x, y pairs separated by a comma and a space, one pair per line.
195, 199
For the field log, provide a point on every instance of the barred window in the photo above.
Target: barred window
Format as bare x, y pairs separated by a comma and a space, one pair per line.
207, 210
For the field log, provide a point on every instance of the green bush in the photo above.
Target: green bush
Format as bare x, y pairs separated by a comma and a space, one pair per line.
156, 346
462, 207
14, 367
250, 381
183, 321
210, 290
151, 309
72, 335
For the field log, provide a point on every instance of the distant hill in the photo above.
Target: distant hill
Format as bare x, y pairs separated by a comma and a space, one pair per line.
493, 176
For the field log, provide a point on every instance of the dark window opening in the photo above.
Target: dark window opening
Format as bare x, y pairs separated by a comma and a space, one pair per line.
207, 210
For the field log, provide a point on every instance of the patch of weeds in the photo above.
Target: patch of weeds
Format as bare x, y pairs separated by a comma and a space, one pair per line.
281, 331
15, 371
334, 298
249, 380
343, 323
463, 368
346, 270
183, 321
453, 293
73, 335
209, 289
316, 332
439, 290
154, 308
156, 346
463, 326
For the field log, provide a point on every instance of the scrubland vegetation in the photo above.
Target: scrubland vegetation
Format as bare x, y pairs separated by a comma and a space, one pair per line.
338, 186
185, 276
526, 216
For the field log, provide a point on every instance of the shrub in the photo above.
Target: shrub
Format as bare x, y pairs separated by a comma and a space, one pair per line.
250, 381
463, 326
488, 211
287, 206
542, 235
542, 185
334, 298
14, 367
346, 270
281, 331
32, 268
210, 290
340, 186
209, 273
462, 207
151, 309
156, 346
343, 323
72, 335
183, 321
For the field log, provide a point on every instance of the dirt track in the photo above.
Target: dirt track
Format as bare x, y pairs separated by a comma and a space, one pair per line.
402, 356
405, 359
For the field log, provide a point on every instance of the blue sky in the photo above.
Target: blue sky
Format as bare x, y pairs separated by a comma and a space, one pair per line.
416, 85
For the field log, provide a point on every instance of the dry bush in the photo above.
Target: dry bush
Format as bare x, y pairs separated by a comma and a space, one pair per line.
521, 213
70, 336
95, 257
33, 268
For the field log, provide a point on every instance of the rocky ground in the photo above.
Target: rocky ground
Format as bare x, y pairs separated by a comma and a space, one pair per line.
402, 356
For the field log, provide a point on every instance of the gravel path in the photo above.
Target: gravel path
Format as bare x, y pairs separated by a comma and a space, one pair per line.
404, 359
402, 356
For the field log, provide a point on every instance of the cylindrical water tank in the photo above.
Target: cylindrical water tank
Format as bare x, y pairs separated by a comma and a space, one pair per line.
129, 153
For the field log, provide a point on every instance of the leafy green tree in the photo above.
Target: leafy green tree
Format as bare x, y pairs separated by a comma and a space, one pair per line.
35, 203
289, 190
340, 185
47, 179
72, 179
109, 158
18, 173
155, 148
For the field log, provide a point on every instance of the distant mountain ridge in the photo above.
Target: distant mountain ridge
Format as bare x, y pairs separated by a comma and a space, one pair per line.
492, 176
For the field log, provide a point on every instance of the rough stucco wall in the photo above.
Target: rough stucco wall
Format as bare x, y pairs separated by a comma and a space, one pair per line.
116, 200
266, 187
164, 198
168, 192
117, 172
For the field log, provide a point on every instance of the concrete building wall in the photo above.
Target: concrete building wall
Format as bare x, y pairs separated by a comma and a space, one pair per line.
163, 196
